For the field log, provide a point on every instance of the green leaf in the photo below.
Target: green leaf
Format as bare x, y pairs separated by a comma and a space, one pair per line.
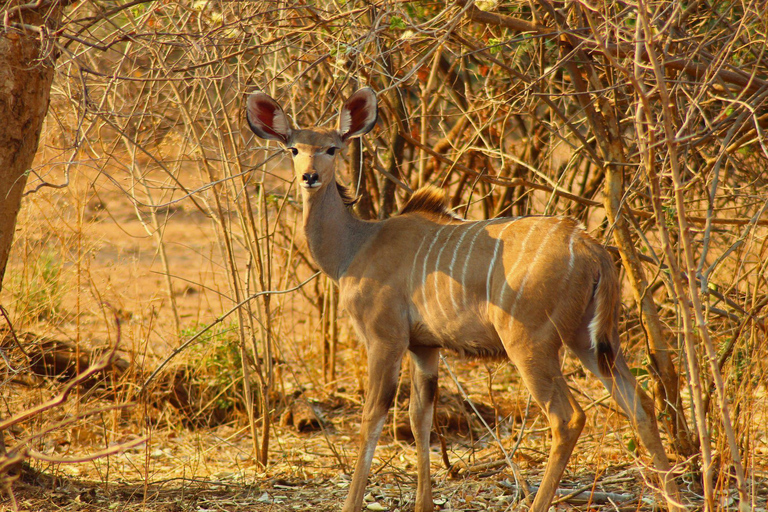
397, 23
493, 45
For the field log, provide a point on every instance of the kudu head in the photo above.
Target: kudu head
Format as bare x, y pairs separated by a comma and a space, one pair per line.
314, 150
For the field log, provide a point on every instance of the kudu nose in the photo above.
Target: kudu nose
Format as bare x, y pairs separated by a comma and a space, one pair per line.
310, 178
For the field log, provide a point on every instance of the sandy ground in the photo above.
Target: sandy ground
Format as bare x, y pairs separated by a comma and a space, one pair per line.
110, 263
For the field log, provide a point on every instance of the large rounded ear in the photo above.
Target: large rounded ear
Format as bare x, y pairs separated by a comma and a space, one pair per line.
266, 118
358, 115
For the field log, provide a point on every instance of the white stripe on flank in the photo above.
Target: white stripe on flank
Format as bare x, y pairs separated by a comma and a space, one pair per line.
437, 269
499, 242
528, 272
453, 262
424, 272
513, 268
594, 325
413, 268
482, 225
570, 249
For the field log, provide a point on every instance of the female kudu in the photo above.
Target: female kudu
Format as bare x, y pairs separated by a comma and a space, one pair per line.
425, 280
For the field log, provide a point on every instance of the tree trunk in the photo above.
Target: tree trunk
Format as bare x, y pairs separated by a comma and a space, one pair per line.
26, 73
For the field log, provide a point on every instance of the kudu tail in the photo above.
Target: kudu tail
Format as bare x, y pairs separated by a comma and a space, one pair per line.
603, 329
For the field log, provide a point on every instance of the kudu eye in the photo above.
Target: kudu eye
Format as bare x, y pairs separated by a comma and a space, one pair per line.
331, 151
294, 151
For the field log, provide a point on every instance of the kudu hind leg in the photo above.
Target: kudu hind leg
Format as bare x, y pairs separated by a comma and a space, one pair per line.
545, 381
639, 407
424, 367
383, 371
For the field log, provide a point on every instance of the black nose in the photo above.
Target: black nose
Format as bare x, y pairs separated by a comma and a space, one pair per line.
310, 178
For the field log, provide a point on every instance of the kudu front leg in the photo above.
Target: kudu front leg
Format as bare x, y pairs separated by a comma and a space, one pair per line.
424, 366
383, 371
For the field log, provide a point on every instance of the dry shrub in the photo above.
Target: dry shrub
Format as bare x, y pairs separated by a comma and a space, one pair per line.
514, 108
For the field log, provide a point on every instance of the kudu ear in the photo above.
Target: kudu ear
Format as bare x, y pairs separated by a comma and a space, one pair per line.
358, 115
266, 118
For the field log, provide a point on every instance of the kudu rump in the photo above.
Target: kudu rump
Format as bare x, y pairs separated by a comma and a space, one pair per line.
425, 280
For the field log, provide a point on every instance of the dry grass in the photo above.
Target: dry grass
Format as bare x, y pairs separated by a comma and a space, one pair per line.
172, 214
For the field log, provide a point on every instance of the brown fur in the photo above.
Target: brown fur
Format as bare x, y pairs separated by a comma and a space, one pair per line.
430, 200
347, 197
418, 282
607, 297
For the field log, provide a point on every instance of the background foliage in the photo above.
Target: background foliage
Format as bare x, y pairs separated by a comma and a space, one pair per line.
645, 120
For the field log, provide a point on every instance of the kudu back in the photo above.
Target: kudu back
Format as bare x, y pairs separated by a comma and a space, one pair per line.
425, 280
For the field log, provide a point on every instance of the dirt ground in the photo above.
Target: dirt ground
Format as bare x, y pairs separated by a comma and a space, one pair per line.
111, 263
213, 469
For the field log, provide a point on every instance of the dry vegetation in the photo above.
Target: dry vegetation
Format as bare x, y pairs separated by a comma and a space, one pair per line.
151, 202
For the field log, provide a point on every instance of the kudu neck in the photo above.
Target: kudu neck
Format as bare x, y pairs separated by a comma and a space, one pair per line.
334, 234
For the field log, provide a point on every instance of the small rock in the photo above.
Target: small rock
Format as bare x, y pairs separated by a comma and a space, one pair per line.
376, 507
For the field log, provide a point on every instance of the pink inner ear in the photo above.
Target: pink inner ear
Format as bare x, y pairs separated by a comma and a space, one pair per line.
265, 115
359, 114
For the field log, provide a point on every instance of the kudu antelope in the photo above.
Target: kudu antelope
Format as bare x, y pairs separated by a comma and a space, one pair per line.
425, 280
